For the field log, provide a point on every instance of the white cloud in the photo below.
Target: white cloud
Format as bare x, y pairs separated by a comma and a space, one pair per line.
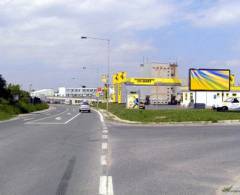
220, 13
50, 30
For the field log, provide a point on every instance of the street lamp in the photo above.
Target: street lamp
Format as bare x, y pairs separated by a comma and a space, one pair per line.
108, 62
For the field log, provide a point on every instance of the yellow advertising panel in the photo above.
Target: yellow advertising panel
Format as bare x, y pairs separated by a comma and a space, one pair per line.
153, 81
143, 81
120, 77
232, 80
209, 80
119, 96
133, 101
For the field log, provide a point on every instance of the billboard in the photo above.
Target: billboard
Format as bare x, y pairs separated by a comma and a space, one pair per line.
133, 101
209, 79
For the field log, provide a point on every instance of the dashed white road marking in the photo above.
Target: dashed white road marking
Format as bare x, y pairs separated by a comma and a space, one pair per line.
105, 131
104, 146
104, 160
106, 185
58, 118
72, 118
103, 185
110, 186
104, 136
69, 113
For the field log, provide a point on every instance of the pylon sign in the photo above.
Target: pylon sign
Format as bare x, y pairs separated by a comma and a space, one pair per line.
119, 77
122, 76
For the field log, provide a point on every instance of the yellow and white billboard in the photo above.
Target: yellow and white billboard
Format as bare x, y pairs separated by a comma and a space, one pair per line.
209, 79
133, 101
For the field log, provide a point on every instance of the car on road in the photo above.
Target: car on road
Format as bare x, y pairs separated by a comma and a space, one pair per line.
84, 107
232, 103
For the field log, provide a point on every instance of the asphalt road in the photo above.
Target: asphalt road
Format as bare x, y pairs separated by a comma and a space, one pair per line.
173, 160
48, 153
63, 152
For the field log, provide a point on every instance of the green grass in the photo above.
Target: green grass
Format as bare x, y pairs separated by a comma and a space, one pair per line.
5, 116
175, 115
8, 111
227, 189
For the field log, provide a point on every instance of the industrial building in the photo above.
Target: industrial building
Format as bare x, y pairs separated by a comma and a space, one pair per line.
42, 93
163, 94
82, 92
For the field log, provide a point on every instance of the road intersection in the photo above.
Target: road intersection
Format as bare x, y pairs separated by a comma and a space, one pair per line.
64, 152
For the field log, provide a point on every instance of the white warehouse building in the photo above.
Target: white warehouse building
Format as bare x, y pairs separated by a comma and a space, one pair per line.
42, 93
208, 98
82, 92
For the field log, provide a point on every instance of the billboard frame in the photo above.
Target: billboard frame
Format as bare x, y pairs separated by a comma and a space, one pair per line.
215, 69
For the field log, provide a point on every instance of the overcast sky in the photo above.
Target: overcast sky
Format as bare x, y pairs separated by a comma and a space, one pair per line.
40, 40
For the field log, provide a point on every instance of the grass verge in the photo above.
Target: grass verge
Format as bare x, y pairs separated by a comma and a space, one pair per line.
173, 115
8, 111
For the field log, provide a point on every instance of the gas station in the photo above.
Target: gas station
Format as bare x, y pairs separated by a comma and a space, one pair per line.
121, 81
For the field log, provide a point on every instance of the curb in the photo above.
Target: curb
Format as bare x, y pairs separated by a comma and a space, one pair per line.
114, 119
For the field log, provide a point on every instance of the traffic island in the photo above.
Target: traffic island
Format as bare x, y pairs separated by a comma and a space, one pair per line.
118, 112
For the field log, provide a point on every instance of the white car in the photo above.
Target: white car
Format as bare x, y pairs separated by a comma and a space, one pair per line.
84, 107
229, 104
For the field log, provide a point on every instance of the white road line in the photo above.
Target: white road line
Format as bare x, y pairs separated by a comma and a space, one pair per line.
104, 136
103, 185
110, 186
51, 116
101, 116
58, 118
72, 118
106, 185
42, 123
104, 160
105, 131
69, 113
104, 146
27, 119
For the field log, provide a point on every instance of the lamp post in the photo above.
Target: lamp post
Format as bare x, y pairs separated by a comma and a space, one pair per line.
108, 62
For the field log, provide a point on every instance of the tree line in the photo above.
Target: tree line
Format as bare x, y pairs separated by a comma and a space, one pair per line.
13, 93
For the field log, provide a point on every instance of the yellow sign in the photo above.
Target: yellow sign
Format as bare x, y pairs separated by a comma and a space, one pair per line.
133, 101
209, 80
232, 80
153, 81
119, 93
122, 76
115, 79
104, 78
119, 77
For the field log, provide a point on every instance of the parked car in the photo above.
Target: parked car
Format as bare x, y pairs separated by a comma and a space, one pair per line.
232, 103
84, 107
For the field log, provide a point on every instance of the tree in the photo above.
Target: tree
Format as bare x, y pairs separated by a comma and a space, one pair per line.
3, 90
16, 94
